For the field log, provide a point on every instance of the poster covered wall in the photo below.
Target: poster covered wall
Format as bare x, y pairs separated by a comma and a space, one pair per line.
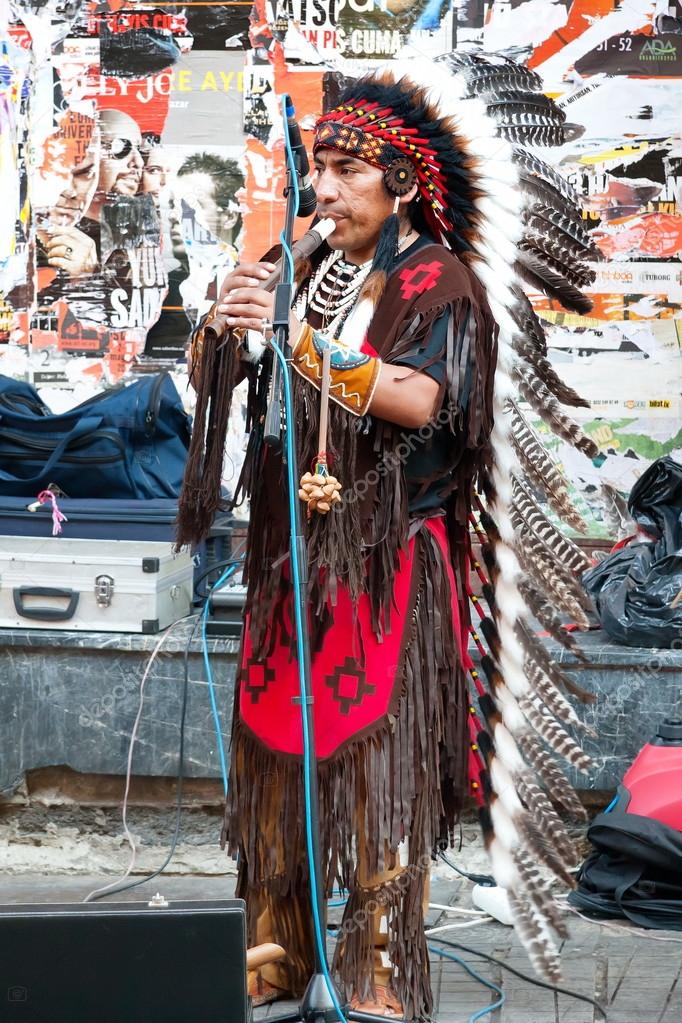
141, 149
122, 151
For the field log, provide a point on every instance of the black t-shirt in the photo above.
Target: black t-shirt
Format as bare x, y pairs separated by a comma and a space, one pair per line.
431, 449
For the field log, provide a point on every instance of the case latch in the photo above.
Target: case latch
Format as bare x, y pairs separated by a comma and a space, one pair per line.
104, 590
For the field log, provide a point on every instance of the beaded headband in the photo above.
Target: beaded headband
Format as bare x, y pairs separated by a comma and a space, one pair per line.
376, 135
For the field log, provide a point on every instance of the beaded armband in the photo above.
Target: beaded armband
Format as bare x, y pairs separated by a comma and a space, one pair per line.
354, 375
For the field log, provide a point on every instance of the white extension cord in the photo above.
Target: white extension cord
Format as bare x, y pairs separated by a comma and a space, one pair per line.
494, 901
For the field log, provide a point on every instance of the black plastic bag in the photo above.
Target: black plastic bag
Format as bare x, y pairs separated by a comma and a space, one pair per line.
634, 589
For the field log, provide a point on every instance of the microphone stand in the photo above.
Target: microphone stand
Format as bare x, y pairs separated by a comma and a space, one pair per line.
317, 1005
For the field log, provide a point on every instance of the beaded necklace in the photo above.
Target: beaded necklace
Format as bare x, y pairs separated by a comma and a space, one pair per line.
334, 288
333, 291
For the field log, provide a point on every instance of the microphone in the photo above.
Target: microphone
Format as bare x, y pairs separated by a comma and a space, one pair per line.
307, 200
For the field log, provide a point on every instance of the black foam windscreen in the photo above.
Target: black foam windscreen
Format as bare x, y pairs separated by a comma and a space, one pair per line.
183, 962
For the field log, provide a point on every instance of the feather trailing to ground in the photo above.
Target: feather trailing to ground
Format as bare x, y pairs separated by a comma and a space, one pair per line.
532, 922
541, 950
538, 892
504, 768
545, 404
549, 619
544, 833
546, 577
493, 99
556, 781
545, 370
568, 552
542, 470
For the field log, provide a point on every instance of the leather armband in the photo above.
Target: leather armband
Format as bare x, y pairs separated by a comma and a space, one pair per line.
354, 375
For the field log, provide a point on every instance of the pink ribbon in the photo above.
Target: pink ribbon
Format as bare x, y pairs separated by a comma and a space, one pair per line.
58, 515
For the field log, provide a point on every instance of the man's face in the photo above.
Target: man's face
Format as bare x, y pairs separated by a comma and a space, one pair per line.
155, 173
198, 191
121, 163
354, 195
73, 202
175, 231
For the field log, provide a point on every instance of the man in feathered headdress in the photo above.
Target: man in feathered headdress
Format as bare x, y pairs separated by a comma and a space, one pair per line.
393, 312
412, 358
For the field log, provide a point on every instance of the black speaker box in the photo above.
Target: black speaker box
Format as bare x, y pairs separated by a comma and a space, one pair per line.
177, 962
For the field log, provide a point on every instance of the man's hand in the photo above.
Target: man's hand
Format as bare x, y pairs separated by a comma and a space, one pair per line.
246, 304
70, 250
243, 300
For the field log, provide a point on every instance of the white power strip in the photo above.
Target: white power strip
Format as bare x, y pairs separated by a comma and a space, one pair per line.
493, 900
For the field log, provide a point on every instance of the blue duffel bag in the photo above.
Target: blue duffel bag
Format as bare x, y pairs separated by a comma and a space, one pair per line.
127, 443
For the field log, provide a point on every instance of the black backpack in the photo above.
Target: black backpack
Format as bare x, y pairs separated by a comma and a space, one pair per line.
634, 871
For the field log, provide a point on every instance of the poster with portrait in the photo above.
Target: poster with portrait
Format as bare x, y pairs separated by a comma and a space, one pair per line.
129, 217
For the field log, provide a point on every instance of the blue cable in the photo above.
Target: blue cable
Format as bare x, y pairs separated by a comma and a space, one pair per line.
292, 489
209, 674
472, 973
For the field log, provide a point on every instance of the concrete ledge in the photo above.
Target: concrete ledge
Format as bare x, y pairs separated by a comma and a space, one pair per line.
71, 699
636, 688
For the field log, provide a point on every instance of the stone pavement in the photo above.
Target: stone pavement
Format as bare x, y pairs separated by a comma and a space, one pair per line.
636, 974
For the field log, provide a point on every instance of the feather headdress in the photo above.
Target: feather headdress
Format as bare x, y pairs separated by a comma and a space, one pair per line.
516, 223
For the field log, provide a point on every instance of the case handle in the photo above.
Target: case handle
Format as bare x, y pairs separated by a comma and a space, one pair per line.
47, 614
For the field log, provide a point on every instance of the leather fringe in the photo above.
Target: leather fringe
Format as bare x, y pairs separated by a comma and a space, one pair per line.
401, 900
201, 494
392, 777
